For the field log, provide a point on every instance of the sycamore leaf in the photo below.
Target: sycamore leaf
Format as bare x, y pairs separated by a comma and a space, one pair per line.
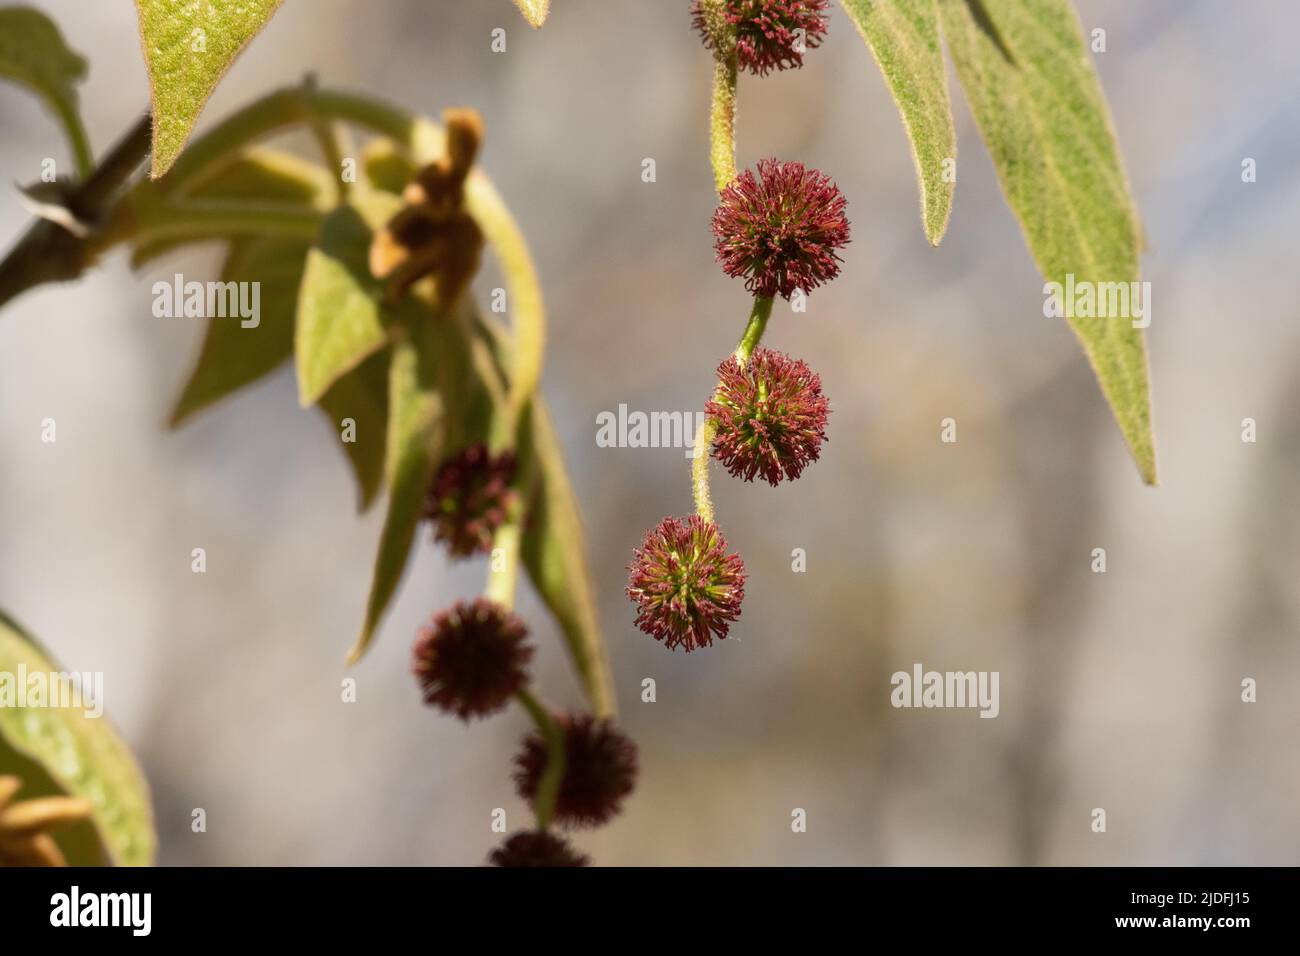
235, 351
81, 754
534, 11
1040, 108
903, 36
341, 319
188, 46
33, 53
357, 410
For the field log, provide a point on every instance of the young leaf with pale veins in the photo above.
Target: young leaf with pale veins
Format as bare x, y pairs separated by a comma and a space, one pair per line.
1040, 108
34, 54
83, 755
188, 46
903, 36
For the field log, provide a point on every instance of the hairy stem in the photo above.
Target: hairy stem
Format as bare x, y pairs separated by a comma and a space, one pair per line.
722, 116
753, 334
548, 788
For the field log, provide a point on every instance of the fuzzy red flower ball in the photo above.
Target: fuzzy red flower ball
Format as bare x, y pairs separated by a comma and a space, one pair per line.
599, 770
536, 848
472, 658
770, 416
770, 34
686, 587
781, 230
469, 498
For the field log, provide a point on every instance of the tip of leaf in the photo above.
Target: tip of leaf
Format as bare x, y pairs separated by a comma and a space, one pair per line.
357, 651
534, 11
161, 159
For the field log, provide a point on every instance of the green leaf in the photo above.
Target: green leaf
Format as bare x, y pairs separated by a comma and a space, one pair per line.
341, 320
362, 396
32, 52
1040, 108
903, 36
555, 555
188, 46
534, 11
234, 355
554, 549
83, 755
415, 421
523, 289
78, 841
255, 175
258, 174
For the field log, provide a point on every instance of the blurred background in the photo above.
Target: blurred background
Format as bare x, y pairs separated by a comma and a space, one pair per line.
1118, 691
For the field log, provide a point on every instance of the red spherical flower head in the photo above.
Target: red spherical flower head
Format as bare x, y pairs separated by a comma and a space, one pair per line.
770, 415
599, 770
781, 229
770, 34
469, 499
686, 587
536, 848
472, 658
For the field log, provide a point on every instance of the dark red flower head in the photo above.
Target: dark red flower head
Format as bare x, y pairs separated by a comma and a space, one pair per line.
770, 415
472, 658
781, 229
686, 587
770, 34
469, 499
599, 770
536, 848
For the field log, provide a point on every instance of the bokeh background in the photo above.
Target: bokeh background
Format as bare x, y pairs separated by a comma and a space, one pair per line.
1118, 690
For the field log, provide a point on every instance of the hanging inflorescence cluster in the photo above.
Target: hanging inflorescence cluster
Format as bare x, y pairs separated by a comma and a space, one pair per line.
473, 659
780, 228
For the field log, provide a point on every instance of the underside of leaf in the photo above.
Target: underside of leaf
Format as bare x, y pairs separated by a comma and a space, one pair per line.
903, 36
1040, 108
